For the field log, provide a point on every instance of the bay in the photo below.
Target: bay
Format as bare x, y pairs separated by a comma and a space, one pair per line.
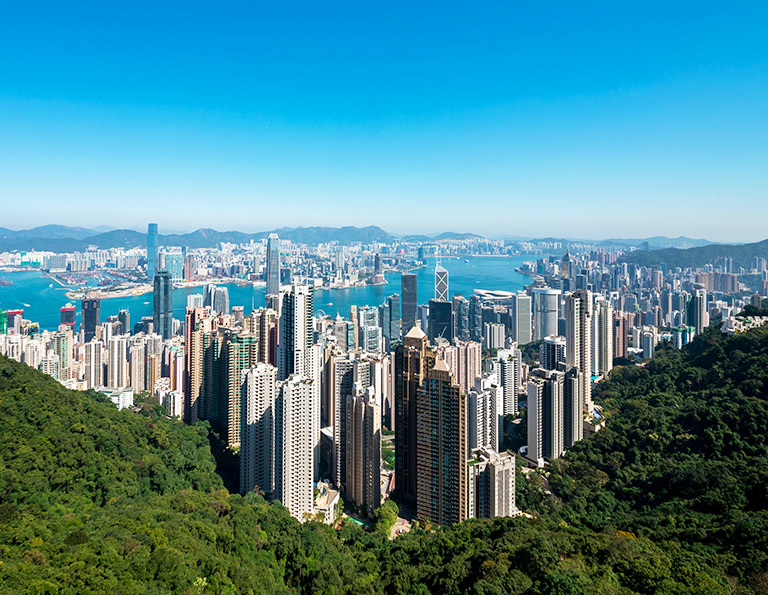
41, 298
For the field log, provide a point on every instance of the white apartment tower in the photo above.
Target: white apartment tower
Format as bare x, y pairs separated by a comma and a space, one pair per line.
257, 448
295, 445
578, 339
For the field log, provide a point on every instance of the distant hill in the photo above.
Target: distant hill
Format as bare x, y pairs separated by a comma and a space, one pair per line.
697, 257
58, 238
658, 242
445, 236
452, 235
56, 232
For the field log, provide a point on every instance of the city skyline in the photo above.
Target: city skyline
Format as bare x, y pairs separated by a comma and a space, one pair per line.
647, 119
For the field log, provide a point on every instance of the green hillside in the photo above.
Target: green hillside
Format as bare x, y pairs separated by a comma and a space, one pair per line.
684, 458
670, 498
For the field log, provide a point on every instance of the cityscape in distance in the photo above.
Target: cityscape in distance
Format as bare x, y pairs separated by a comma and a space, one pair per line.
384, 300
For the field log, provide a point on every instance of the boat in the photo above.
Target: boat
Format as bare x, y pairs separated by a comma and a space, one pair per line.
5, 282
146, 303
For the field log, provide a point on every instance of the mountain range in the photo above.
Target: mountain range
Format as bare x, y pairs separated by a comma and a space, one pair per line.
742, 255
61, 238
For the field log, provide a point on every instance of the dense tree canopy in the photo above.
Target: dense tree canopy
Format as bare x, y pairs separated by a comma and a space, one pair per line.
672, 497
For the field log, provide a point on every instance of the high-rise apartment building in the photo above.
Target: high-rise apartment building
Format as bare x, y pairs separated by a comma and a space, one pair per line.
602, 337
578, 339
363, 449
296, 334
554, 412
508, 367
491, 484
545, 415
117, 362
552, 352
465, 359
257, 449
240, 352
295, 445
94, 368
697, 315
194, 329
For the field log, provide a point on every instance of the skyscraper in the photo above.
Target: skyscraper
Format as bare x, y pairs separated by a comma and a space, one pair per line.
124, 317
545, 312
552, 352
440, 320
273, 264
410, 301
163, 314
520, 311
509, 369
117, 362
545, 415
221, 300
152, 251
257, 449
441, 448
91, 308
476, 318
193, 368
441, 283
461, 325
295, 445
602, 337
697, 315
578, 341
94, 369
68, 315
412, 360
240, 351
296, 331
363, 449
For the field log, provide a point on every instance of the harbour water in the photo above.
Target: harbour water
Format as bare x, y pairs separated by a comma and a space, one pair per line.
41, 298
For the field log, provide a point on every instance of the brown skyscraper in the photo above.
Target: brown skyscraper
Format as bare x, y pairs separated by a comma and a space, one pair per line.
412, 360
441, 448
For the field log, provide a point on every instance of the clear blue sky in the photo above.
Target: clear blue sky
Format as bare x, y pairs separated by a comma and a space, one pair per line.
520, 118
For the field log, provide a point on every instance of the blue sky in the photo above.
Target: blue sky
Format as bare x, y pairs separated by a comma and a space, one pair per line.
597, 119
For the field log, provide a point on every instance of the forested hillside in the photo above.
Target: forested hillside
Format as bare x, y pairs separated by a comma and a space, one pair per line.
670, 498
684, 458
